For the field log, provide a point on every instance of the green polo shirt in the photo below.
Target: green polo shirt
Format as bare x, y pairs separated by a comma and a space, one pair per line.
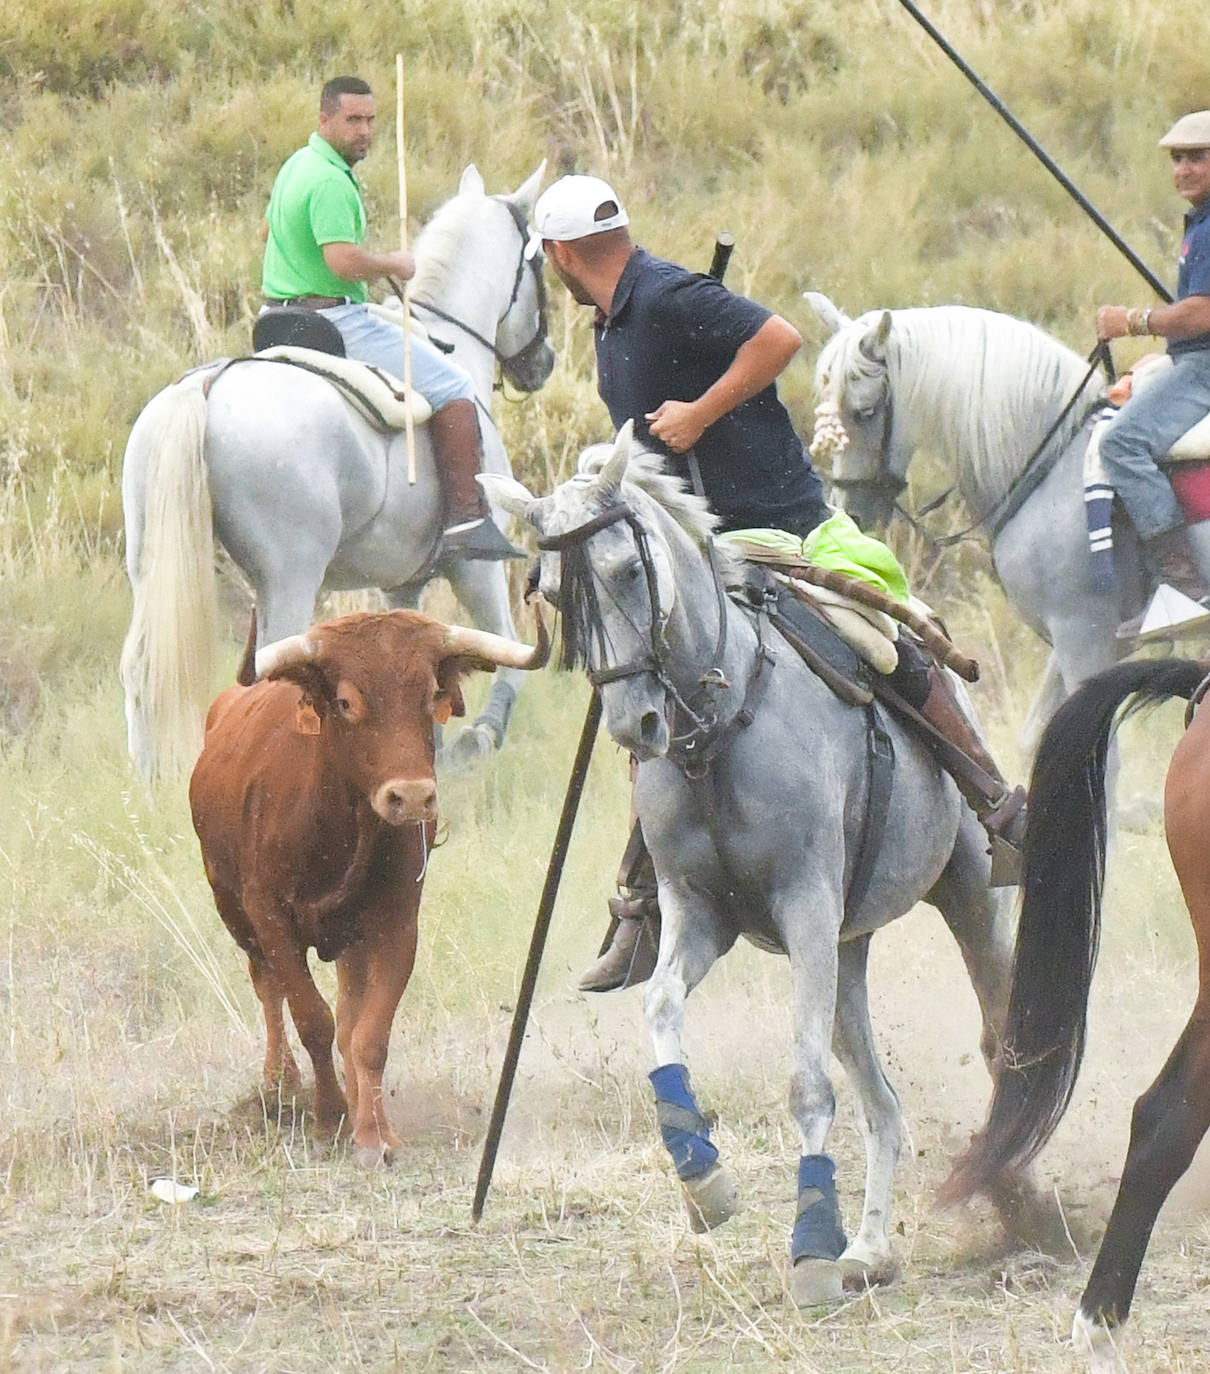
315, 200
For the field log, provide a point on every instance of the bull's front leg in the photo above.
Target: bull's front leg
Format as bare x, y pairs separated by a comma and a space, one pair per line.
373, 974
691, 940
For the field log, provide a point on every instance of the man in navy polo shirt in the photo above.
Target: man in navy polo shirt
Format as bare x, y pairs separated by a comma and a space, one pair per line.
1150, 423
691, 363
695, 367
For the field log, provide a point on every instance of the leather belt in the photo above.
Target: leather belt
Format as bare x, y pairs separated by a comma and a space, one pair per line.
313, 302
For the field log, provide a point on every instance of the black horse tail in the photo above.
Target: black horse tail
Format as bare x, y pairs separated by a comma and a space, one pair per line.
1060, 922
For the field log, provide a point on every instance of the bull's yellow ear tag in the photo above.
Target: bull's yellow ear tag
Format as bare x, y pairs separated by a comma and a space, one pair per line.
306, 722
443, 709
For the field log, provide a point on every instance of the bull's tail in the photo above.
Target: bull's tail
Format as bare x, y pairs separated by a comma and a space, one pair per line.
168, 659
1060, 921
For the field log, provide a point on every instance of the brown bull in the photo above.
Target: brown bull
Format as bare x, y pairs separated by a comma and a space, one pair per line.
315, 804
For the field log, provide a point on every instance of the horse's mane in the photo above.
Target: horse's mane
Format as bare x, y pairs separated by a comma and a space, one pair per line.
979, 387
440, 249
646, 471
646, 483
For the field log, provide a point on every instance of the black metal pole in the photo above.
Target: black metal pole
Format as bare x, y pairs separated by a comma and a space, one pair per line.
724, 246
546, 905
1043, 156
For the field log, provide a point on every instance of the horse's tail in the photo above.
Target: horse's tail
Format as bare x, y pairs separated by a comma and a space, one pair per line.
1060, 923
168, 659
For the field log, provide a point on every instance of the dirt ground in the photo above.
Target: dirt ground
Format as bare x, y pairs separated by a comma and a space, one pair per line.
583, 1259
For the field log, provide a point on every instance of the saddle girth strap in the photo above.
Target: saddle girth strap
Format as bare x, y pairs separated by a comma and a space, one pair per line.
880, 775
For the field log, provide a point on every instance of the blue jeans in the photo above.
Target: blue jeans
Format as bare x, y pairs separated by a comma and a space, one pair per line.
371, 339
1146, 428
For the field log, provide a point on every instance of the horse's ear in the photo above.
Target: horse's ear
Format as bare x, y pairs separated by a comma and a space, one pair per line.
526, 195
829, 314
471, 183
610, 478
873, 344
511, 496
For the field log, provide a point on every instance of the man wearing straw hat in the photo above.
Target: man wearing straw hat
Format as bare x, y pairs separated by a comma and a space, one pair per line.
1151, 422
314, 258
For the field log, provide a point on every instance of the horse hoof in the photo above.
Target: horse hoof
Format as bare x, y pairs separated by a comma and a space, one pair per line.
816, 1283
468, 749
710, 1199
1094, 1341
857, 1274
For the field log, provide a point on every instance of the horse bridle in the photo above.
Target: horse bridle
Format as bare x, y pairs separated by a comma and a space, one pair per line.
522, 355
706, 736
884, 482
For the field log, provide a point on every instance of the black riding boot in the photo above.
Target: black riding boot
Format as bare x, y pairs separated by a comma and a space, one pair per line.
632, 941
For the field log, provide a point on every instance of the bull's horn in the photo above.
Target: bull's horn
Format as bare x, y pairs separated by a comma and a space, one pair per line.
507, 653
283, 653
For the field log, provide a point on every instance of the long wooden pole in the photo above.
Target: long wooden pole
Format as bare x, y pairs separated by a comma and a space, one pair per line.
408, 427
529, 979
1040, 153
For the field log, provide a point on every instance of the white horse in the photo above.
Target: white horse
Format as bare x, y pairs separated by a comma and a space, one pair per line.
753, 788
980, 390
305, 494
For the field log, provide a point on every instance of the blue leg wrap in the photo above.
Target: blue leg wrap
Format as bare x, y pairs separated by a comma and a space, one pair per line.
817, 1232
685, 1132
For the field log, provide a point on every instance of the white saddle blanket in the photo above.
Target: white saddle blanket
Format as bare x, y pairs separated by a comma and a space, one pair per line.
869, 632
381, 393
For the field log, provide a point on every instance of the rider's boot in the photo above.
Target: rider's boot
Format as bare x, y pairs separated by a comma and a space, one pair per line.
1170, 556
470, 531
629, 950
1001, 809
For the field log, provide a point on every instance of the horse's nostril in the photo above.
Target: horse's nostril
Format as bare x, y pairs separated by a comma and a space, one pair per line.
649, 726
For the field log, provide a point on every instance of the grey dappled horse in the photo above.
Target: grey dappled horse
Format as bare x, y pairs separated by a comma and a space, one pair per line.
752, 793
979, 390
305, 494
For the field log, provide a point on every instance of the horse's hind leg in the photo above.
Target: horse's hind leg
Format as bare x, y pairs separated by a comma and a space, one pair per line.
867, 1259
1168, 1124
981, 921
1173, 1115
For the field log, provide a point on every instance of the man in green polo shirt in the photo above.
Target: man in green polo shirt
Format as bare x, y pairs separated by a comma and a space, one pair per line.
314, 257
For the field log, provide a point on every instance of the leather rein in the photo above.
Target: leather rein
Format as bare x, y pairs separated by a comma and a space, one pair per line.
1034, 470
535, 264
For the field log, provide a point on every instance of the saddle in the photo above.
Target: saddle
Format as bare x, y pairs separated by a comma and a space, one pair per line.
307, 339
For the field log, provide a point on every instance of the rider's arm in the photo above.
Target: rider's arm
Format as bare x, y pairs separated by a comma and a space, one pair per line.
351, 262
756, 364
1180, 320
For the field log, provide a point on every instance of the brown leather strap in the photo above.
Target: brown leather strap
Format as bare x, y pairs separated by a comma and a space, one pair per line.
953, 760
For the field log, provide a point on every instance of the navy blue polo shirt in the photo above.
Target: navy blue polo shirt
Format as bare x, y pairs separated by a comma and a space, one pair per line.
1193, 272
669, 336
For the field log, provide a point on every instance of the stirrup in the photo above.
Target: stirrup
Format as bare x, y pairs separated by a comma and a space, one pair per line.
478, 537
1005, 825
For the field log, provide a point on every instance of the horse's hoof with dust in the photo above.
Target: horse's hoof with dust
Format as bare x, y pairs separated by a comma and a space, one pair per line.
816, 1283
1095, 1342
710, 1199
468, 749
857, 1274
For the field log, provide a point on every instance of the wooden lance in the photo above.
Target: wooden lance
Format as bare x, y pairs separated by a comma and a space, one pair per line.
409, 429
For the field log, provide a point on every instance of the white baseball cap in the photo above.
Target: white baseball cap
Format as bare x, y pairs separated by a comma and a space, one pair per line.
1190, 131
568, 209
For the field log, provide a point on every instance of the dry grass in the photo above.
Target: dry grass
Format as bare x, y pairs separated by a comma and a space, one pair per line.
141, 141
